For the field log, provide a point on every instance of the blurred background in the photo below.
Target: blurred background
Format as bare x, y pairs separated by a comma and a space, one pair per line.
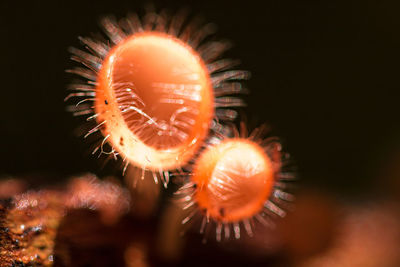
324, 76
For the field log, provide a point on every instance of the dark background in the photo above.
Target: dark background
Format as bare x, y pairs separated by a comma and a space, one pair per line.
324, 75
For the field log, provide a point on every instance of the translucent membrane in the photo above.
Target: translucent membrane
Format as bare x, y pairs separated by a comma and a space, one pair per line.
233, 180
154, 100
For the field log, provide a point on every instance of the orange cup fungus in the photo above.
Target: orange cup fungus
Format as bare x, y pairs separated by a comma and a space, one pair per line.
236, 180
233, 178
155, 95
156, 89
